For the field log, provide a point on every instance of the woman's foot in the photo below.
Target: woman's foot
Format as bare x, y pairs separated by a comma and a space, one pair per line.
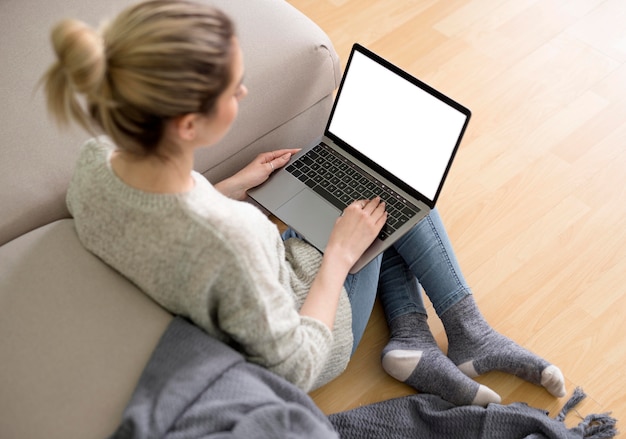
476, 348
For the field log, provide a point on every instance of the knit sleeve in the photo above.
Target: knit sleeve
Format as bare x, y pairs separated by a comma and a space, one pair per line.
261, 315
217, 261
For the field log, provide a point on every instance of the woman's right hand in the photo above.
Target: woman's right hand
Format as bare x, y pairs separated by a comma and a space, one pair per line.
357, 228
353, 233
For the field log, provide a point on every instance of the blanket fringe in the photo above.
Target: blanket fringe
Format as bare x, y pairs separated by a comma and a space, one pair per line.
596, 426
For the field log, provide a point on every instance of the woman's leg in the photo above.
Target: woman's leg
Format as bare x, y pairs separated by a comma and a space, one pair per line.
472, 344
427, 251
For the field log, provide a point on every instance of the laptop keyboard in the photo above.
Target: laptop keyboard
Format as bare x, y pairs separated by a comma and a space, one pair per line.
341, 182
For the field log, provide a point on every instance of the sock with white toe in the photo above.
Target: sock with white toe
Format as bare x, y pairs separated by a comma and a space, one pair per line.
413, 357
476, 348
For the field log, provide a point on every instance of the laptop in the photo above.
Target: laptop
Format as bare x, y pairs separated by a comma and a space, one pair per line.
388, 134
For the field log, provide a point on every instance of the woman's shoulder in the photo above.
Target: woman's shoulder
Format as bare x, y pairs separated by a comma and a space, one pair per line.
90, 162
97, 146
94, 152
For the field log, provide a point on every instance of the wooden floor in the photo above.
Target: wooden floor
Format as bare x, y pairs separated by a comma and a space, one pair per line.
536, 202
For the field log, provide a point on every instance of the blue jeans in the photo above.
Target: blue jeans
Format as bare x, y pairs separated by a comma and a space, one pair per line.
424, 256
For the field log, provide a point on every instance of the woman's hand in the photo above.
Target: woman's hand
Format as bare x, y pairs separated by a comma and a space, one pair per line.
254, 173
357, 228
353, 233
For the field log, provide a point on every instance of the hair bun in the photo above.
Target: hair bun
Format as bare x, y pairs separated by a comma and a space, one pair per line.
80, 51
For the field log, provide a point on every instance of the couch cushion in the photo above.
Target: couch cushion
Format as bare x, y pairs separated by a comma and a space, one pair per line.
74, 337
291, 69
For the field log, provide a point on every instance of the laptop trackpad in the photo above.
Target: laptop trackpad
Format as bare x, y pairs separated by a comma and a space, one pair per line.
315, 217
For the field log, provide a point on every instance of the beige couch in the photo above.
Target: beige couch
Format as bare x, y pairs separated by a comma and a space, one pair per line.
74, 334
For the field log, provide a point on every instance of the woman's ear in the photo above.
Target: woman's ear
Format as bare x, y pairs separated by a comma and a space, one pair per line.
185, 127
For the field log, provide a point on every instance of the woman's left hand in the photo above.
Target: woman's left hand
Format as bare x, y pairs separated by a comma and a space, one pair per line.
255, 173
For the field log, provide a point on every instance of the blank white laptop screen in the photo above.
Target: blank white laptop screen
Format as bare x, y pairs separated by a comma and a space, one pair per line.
396, 124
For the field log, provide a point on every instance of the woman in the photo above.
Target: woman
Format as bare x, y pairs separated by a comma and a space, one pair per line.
164, 79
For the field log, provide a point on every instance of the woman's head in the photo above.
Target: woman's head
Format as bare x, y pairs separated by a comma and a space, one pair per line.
156, 61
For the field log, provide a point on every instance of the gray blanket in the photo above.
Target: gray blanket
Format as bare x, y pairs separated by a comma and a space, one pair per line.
428, 416
196, 387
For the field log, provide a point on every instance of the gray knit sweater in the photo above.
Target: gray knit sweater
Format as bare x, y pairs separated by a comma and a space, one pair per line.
217, 261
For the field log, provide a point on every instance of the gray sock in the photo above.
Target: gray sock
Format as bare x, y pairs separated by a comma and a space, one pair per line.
413, 357
476, 348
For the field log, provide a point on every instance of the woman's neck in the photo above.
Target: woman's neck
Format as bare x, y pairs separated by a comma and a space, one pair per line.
157, 174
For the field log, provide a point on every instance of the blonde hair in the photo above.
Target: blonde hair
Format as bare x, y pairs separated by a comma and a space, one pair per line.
157, 60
